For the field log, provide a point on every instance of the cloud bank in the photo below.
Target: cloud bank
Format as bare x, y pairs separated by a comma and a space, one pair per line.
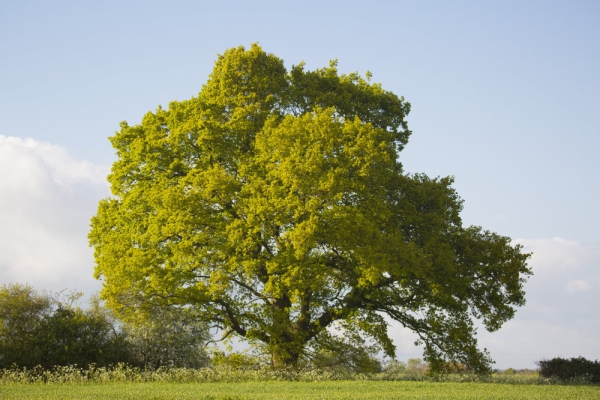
46, 201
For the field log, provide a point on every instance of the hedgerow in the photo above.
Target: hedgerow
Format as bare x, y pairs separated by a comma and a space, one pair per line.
124, 373
571, 370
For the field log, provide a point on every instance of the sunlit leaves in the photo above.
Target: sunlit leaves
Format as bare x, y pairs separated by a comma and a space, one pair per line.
274, 204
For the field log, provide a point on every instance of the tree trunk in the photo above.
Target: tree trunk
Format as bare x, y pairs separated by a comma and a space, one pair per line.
284, 359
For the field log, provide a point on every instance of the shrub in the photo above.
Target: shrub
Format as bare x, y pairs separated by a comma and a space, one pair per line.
573, 370
395, 367
417, 366
21, 311
348, 352
37, 329
168, 337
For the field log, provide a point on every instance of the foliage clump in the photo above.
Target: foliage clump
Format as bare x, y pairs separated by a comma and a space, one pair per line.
571, 370
38, 330
168, 338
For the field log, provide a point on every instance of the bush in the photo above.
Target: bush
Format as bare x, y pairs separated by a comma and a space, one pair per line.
236, 360
21, 311
168, 337
37, 329
417, 366
573, 370
395, 367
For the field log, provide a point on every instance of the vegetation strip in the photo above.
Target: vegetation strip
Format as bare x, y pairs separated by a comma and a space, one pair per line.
122, 373
299, 390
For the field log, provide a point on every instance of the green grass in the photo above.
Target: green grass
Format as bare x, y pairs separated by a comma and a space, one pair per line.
123, 382
297, 390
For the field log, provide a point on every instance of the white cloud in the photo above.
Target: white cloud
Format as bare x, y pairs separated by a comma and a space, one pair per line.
46, 201
578, 286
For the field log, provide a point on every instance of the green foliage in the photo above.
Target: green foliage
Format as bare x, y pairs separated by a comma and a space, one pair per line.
274, 205
225, 373
395, 367
168, 338
416, 366
70, 336
349, 353
571, 370
236, 360
21, 311
39, 330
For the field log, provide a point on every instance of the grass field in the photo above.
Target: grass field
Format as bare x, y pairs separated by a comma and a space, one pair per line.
297, 390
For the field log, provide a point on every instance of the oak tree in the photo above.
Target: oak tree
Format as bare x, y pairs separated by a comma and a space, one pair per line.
275, 205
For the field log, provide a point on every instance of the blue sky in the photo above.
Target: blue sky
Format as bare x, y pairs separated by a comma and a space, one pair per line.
504, 97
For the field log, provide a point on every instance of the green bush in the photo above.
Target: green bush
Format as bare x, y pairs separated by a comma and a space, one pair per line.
576, 370
236, 360
168, 337
39, 330
21, 311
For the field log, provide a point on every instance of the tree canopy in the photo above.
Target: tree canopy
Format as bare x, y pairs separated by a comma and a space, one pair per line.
275, 205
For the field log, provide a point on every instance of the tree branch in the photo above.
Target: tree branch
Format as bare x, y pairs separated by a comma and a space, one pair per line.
251, 290
225, 335
235, 325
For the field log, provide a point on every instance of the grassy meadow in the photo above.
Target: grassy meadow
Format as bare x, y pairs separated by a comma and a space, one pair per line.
131, 383
297, 390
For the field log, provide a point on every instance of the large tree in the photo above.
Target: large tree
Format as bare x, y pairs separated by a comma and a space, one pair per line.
275, 204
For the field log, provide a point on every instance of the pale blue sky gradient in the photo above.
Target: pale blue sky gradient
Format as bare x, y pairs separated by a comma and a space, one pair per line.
504, 94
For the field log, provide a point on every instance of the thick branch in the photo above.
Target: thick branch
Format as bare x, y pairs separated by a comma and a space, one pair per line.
235, 325
353, 301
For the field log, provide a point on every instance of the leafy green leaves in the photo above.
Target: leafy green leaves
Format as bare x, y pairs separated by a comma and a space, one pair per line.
274, 204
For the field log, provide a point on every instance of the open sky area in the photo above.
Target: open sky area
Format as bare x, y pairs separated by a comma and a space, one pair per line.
504, 97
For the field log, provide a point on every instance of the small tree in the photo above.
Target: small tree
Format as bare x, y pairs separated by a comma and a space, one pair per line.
395, 367
416, 366
168, 337
37, 329
22, 309
73, 336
